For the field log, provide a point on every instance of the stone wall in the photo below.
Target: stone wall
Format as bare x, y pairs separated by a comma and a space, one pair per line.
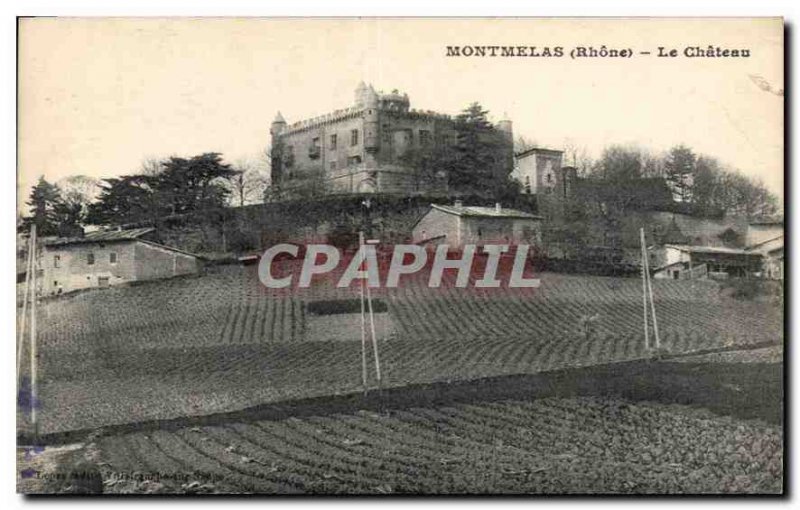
75, 272
153, 262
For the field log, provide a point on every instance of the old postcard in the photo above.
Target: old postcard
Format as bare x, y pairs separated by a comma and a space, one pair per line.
400, 256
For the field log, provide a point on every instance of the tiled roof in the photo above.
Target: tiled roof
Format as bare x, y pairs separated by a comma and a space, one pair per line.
102, 236
709, 249
777, 220
758, 246
485, 212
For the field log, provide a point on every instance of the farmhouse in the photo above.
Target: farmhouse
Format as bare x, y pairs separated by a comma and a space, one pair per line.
761, 257
104, 258
458, 225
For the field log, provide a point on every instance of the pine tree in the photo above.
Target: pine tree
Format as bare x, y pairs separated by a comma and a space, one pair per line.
680, 168
44, 203
474, 159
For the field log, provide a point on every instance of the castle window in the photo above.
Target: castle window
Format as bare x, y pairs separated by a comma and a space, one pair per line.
424, 138
333, 142
112, 257
333, 165
56, 260
90, 259
354, 160
313, 151
527, 184
549, 177
354, 137
289, 159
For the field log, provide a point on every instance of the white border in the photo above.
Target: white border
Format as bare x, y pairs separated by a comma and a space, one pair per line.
541, 8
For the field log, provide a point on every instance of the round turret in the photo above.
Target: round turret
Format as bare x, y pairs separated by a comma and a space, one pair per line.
278, 125
395, 101
365, 95
505, 124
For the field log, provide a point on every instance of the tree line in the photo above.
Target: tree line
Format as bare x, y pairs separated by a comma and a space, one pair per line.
198, 185
700, 183
468, 164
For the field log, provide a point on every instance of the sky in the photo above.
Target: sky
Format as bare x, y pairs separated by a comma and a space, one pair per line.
98, 96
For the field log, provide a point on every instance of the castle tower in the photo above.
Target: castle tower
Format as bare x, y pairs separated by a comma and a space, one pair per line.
276, 129
506, 126
278, 126
506, 129
362, 94
371, 123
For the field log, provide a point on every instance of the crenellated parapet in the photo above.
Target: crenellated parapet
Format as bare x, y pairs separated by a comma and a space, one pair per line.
323, 120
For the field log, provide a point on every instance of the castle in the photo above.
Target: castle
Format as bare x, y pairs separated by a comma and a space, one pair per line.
367, 148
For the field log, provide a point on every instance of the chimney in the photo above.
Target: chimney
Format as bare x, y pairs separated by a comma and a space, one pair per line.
458, 204
498, 208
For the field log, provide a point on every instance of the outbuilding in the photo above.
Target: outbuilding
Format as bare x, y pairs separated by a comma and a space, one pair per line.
686, 261
458, 225
112, 257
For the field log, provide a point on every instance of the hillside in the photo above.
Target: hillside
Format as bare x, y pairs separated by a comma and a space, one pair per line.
221, 341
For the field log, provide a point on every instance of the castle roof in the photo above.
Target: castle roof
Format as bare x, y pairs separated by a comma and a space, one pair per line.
279, 119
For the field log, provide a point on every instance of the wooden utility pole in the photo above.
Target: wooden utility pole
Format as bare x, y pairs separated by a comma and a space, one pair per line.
652, 303
646, 269
644, 290
374, 337
363, 322
34, 400
367, 203
25, 298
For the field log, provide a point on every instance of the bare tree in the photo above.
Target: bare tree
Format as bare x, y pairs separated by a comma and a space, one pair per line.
249, 183
577, 156
152, 166
653, 164
522, 144
78, 191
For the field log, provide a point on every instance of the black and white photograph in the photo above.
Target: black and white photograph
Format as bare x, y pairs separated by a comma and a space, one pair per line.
392, 256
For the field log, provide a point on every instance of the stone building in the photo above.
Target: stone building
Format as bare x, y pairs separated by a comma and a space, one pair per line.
457, 225
539, 171
104, 258
365, 148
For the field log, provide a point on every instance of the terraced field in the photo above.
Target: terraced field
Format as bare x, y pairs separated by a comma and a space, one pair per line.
552, 445
222, 342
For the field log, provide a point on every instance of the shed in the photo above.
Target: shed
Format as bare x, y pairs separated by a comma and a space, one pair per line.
718, 260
